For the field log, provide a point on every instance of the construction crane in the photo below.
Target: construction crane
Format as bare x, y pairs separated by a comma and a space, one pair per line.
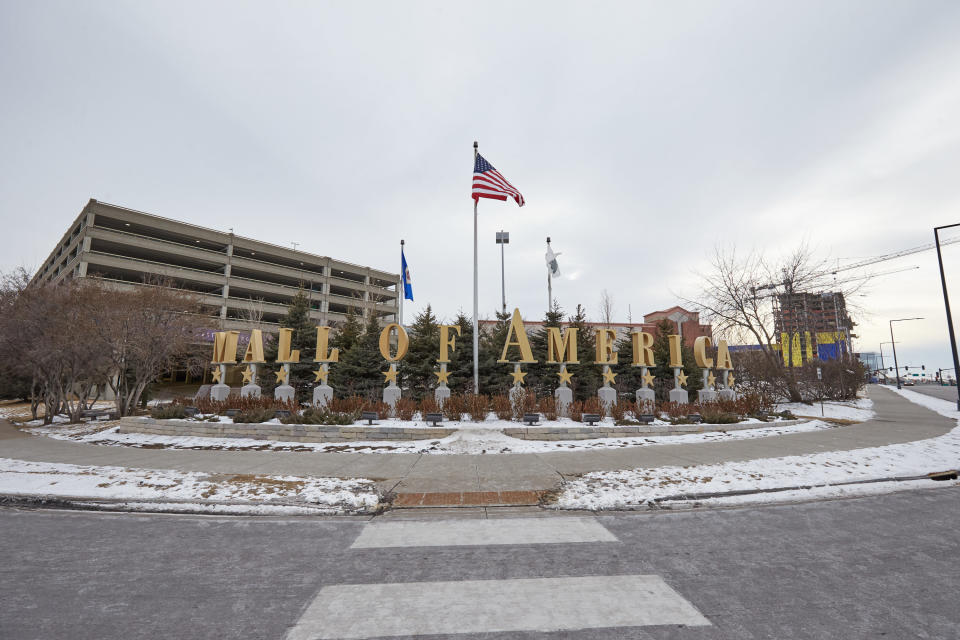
895, 254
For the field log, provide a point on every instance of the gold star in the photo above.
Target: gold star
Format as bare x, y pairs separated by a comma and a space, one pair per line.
682, 379
320, 375
730, 380
390, 375
609, 376
442, 376
281, 375
248, 375
711, 380
518, 376
648, 379
216, 374
565, 376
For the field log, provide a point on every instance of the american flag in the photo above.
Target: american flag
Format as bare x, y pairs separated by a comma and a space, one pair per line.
488, 183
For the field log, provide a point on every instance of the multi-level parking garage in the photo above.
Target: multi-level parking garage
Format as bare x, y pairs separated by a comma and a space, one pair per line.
249, 281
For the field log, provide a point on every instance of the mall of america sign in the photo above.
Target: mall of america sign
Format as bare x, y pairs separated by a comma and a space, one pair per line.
561, 351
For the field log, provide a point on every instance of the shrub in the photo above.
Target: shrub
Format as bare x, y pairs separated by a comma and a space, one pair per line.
383, 409
675, 411
502, 407
455, 407
712, 413
576, 411
479, 406
593, 405
405, 408
207, 406
169, 411
548, 407
255, 416
321, 415
619, 410
428, 404
646, 407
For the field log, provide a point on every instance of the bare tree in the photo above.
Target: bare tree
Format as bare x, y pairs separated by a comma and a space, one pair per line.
738, 295
606, 308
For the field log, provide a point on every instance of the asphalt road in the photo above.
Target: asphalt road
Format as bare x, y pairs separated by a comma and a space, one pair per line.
945, 393
881, 567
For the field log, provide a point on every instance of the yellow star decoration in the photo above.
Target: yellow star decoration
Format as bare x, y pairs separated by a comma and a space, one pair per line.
216, 374
518, 376
730, 381
248, 375
281, 376
442, 376
390, 375
320, 375
711, 380
648, 379
609, 376
565, 376
682, 379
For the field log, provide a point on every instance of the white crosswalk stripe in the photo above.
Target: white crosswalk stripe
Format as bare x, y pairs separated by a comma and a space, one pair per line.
511, 531
472, 606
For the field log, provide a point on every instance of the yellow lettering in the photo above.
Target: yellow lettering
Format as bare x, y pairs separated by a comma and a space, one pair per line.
448, 342
402, 342
605, 341
517, 337
676, 351
225, 347
323, 338
642, 349
700, 346
284, 354
562, 346
723, 356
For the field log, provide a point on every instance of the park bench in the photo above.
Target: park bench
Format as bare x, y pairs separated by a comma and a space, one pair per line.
369, 416
433, 418
531, 418
646, 418
591, 418
281, 413
99, 414
695, 418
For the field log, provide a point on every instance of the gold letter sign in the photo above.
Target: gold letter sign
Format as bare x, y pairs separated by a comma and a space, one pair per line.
402, 342
448, 342
225, 347
562, 348
517, 337
323, 337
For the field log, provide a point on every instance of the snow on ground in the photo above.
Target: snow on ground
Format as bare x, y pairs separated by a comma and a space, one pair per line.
860, 410
624, 489
318, 495
470, 438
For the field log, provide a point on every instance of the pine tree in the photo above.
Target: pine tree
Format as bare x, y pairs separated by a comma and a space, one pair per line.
349, 332
542, 378
664, 372
587, 378
303, 339
422, 354
494, 377
361, 367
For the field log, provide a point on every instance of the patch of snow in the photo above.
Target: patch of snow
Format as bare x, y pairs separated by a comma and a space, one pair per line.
859, 410
19, 477
623, 489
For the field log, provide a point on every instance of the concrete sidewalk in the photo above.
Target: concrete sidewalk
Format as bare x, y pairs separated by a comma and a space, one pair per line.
898, 420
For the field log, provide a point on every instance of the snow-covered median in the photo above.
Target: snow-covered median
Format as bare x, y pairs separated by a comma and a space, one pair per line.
859, 410
470, 438
634, 488
201, 492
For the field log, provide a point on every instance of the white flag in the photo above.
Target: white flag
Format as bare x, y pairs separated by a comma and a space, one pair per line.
552, 262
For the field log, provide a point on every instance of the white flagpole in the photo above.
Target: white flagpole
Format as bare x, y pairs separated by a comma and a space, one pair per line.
403, 280
476, 333
549, 281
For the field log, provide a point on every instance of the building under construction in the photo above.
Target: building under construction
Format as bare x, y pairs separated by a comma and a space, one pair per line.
811, 326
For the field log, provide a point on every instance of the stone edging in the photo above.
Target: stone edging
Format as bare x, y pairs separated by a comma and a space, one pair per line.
587, 433
351, 433
282, 432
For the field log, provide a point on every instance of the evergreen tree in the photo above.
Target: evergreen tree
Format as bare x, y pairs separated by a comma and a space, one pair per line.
664, 372
587, 378
542, 378
420, 361
494, 377
628, 376
349, 332
304, 339
361, 367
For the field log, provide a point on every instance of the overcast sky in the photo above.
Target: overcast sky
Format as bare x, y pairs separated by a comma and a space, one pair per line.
642, 134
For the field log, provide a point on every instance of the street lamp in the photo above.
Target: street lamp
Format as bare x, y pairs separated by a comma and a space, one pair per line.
883, 366
503, 237
896, 367
946, 303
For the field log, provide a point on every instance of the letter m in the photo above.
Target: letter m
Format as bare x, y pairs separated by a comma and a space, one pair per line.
562, 347
225, 347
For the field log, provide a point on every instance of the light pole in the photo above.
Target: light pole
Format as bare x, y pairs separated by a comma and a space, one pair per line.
503, 238
946, 303
883, 366
896, 367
